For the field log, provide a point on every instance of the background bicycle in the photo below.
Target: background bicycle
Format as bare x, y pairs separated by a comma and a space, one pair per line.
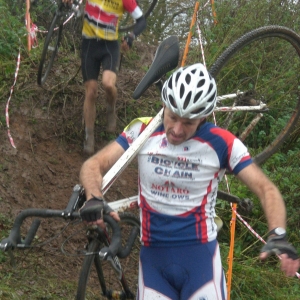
62, 16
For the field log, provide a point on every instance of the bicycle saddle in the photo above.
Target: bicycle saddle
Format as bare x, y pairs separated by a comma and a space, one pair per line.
165, 60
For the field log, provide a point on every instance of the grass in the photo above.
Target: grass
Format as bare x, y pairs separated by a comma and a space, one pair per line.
41, 274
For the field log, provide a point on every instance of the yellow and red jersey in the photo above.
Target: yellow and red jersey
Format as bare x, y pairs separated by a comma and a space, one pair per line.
101, 19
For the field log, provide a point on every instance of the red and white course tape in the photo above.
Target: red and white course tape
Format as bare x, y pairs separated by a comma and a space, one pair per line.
8, 101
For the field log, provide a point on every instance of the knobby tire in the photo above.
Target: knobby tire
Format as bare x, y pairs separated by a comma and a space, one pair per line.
94, 246
245, 65
50, 51
98, 278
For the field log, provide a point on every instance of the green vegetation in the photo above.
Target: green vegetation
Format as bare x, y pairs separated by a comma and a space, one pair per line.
251, 278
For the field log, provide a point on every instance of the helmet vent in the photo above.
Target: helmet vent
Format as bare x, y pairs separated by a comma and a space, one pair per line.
210, 109
188, 78
197, 96
210, 88
170, 84
212, 98
187, 100
172, 101
182, 89
198, 111
177, 76
200, 83
164, 93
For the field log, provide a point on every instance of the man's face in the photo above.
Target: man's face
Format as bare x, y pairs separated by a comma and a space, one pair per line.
178, 129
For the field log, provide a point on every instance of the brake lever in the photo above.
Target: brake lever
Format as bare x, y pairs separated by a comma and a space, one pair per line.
6, 246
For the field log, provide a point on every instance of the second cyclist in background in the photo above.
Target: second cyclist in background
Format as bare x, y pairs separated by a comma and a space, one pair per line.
100, 46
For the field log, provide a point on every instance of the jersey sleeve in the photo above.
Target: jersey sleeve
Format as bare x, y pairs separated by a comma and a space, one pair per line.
132, 7
240, 157
232, 153
132, 131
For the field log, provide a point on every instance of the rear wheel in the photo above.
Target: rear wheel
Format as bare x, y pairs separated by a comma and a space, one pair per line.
263, 64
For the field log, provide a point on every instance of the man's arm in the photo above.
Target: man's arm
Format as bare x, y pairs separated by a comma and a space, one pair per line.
139, 27
269, 195
91, 177
93, 169
275, 212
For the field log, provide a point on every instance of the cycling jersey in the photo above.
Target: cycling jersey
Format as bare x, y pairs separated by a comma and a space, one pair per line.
178, 183
101, 17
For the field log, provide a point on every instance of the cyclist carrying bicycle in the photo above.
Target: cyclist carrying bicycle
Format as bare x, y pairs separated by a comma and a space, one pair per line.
180, 167
100, 46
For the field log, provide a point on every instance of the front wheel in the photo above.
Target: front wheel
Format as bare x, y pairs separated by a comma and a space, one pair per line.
263, 67
98, 279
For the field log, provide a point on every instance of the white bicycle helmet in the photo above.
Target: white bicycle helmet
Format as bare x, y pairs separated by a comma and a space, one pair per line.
190, 92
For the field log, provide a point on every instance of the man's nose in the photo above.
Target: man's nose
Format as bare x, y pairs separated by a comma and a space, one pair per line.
178, 129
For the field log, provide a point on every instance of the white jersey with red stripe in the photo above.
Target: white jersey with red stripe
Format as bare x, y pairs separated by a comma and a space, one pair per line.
178, 183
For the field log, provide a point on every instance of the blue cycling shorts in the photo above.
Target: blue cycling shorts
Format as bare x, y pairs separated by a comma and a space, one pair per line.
181, 273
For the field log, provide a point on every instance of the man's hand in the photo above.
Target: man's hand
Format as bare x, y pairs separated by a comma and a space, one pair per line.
92, 212
277, 244
127, 42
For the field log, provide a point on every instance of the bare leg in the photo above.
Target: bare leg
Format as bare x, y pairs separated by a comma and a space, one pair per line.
109, 84
89, 114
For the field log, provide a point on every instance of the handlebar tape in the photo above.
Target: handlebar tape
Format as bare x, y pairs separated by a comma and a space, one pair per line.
115, 242
31, 232
125, 251
14, 238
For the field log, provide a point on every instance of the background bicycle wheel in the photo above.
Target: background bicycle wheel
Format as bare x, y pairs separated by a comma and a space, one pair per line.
67, 33
266, 65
